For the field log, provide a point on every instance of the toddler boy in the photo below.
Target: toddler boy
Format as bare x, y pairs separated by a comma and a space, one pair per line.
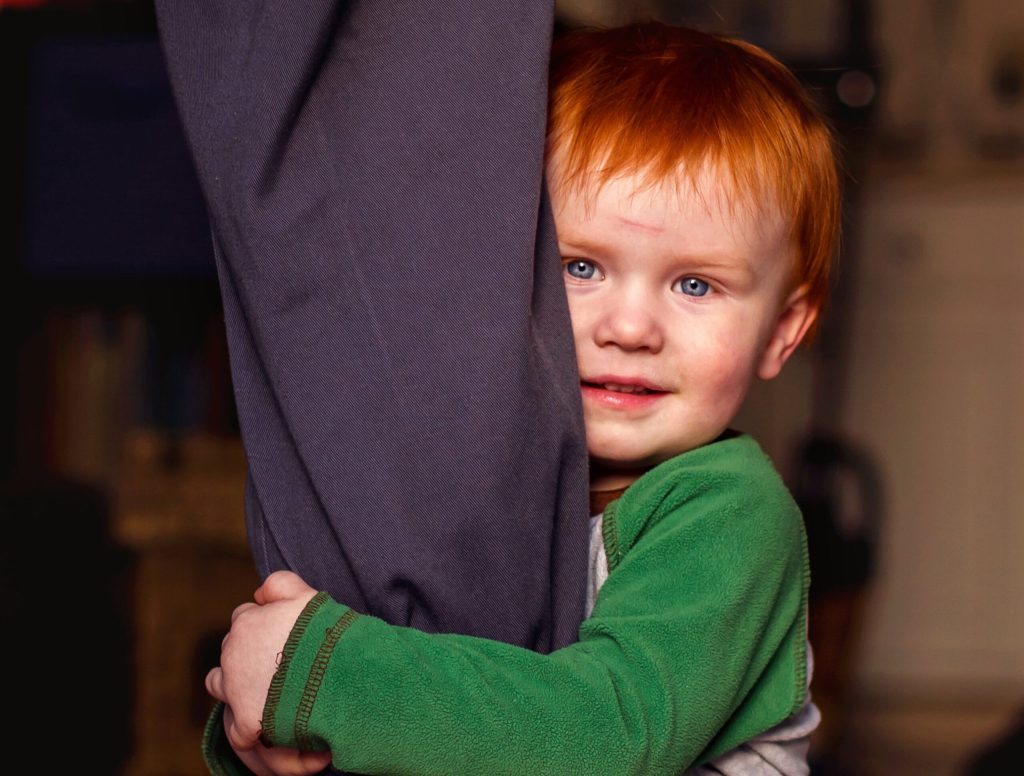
696, 203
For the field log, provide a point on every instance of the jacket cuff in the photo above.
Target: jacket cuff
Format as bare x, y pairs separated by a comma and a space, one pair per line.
218, 755
300, 674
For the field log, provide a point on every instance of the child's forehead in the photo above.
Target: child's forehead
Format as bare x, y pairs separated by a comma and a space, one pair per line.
710, 193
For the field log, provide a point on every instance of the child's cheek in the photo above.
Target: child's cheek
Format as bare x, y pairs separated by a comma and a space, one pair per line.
725, 363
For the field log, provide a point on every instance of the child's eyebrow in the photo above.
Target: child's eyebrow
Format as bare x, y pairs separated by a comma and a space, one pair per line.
716, 261
739, 267
578, 242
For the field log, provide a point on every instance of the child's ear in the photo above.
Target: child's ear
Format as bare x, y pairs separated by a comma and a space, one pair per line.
795, 319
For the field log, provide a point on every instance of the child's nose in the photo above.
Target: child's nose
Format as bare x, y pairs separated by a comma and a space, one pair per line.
630, 324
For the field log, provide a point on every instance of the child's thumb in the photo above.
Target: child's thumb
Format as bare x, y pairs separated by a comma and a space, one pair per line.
281, 585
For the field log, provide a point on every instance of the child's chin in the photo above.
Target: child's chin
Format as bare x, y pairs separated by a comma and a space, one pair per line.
628, 455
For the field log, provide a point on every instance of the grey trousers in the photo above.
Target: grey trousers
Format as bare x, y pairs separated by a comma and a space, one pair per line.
398, 332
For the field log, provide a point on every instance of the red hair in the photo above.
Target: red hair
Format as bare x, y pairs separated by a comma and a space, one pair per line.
665, 101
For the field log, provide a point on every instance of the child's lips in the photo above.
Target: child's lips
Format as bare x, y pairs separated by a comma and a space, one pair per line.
620, 392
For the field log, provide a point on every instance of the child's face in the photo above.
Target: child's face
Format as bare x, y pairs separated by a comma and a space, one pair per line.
676, 303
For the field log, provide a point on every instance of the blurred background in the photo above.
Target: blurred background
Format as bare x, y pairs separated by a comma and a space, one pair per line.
901, 430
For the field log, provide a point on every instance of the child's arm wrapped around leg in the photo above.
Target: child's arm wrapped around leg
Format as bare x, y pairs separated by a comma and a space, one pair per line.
697, 643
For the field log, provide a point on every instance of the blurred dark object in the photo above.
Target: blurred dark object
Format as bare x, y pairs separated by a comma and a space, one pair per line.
837, 485
99, 208
185, 385
205, 657
67, 592
839, 491
109, 185
1004, 756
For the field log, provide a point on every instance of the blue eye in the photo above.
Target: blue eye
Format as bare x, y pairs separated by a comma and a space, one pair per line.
581, 270
691, 287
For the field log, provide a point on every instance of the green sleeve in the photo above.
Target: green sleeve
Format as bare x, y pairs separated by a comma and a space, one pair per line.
695, 645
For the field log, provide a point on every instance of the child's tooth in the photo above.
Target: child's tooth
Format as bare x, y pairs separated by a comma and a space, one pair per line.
624, 388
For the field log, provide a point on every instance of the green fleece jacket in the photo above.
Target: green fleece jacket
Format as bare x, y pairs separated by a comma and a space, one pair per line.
697, 643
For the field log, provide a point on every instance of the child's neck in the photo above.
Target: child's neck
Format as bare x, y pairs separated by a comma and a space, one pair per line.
604, 479
606, 485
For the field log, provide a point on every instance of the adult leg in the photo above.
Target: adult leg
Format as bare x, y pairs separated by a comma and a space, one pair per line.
400, 344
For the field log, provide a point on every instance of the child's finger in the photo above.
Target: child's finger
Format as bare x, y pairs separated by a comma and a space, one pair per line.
240, 740
215, 683
252, 760
281, 585
291, 762
239, 609
314, 762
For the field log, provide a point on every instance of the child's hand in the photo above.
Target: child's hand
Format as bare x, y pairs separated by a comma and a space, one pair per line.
278, 761
249, 653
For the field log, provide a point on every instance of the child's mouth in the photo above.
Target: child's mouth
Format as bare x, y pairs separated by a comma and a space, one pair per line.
619, 388
621, 395
638, 388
